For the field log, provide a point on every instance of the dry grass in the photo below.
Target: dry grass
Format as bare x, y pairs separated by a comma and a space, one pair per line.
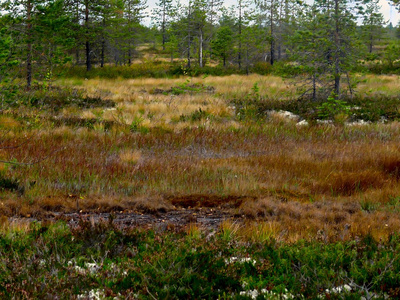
302, 180
326, 220
136, 99
388, 84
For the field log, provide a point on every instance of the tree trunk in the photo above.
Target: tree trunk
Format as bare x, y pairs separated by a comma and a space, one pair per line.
164, 39
189, 36
279, 52
88, 60
371, 40
314, 92
337, 51
201, 49
103, 46
247, 59
29, 45
272, 44
77, 19
240, 36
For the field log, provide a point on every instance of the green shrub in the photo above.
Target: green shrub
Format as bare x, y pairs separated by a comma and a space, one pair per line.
97, 256
374, 108
197, 115
332, 107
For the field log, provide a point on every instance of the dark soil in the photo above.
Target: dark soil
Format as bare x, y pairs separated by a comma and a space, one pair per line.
206, 218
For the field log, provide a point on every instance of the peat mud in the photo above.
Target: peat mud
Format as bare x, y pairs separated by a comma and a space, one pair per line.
207, 218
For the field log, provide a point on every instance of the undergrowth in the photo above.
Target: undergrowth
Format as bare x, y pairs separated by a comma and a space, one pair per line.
51, 260
370, 108
54, 98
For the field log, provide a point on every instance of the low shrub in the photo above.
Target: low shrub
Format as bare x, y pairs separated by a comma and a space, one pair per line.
100, 259
373, 108
56, 98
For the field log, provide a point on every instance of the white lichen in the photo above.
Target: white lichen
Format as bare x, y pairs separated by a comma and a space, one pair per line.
92, 295
302, 123
241, 260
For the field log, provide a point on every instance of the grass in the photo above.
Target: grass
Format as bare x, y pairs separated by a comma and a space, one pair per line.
140, 143
315, 206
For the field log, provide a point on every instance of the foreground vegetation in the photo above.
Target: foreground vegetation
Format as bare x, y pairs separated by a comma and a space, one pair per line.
98, 261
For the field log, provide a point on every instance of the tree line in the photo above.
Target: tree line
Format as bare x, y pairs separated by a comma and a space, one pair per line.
324, 40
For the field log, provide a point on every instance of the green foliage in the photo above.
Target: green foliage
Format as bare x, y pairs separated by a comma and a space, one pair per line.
53, 259
265, 68
391, 54
370, 108
191, 88
247, 108
223, 43
55, 98
332, 107
369, 206
137, 126
197, 115
8, 88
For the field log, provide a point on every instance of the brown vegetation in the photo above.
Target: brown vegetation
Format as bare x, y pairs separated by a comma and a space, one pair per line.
148, 158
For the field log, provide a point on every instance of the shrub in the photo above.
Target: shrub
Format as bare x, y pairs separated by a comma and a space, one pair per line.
375, 107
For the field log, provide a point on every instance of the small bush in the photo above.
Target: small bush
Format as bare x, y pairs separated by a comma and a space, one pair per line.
262, 68
332, 107
197, 115
8, 184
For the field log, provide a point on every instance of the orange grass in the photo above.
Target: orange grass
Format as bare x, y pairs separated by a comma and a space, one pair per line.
308, 182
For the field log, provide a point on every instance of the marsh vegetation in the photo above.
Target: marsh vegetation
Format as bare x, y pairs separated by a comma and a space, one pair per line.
157, 157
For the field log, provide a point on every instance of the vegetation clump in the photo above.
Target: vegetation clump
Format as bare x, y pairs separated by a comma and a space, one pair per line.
98, 258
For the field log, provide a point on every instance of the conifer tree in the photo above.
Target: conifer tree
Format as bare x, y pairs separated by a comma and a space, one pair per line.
37, 28
327, 45
372, 26
163, 14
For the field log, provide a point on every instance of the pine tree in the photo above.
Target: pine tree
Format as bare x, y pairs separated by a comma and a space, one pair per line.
133, 14
8, 62
327, 46
268, 14
372, 26
163, 14
37, 28
223, 43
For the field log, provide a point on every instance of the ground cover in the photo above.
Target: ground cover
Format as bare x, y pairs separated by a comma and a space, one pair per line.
99, 261
207, 154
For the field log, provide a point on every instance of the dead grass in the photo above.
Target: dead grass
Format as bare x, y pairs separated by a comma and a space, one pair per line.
302, 182
136, 100
327, 221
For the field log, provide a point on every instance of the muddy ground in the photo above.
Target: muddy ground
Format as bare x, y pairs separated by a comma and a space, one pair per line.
205, 211
205, 218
